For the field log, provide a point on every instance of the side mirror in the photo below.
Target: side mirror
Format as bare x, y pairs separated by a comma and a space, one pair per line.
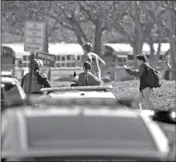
165, 116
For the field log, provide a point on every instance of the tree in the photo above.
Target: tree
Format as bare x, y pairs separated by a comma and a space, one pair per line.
156, 13
132, 22
94, 12
84, 18
154, 55
66, 15
172, 35
166, 22
15, 13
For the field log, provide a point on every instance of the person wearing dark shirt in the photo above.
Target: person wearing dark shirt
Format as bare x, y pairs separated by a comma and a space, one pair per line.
87, 78
39, 80
168, 70
145, 90
168, 66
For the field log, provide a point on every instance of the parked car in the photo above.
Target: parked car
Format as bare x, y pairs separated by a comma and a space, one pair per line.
11, 91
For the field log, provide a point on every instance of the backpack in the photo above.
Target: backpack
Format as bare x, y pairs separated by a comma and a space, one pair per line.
153, 78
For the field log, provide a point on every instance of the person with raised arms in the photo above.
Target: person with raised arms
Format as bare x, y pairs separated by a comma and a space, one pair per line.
93, 58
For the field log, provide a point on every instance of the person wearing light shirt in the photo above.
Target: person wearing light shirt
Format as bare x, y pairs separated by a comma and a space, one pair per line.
93, 58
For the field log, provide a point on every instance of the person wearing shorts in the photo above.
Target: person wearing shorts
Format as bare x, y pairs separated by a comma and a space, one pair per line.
93, 58
145, 90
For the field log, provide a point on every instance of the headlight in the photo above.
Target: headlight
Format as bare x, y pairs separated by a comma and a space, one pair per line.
173, 115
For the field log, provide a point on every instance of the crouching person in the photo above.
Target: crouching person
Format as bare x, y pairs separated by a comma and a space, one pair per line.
87, 78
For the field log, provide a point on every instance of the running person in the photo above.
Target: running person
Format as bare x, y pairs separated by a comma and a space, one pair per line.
91, 57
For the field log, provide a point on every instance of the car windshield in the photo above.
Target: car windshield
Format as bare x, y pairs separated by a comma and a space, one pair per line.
88, 132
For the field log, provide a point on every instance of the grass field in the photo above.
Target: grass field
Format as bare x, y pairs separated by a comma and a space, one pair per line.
162, 97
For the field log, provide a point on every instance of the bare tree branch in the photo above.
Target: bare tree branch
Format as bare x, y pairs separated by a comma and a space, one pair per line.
59, 21
87, 13
78, 29
130, 11
148, 29
120, 29
158, 49
52, 29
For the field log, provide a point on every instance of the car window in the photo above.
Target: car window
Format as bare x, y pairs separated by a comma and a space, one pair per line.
2, 97
12, 95
2, 94
88, 131
8, 87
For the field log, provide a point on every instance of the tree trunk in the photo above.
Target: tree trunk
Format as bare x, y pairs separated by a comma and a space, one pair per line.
152, 52
78, 38
173, 59
98, 36
81, 36
154, 56
172, 20
78, 34
137, 49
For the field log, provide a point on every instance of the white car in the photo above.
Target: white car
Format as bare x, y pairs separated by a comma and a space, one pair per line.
85, 92
78, 132
11, 91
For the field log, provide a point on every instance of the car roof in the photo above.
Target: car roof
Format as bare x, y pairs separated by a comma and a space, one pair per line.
83, 94
78, 88
56, 128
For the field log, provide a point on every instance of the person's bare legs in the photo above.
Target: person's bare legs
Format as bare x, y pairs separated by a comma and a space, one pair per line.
147, 93
137, 100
